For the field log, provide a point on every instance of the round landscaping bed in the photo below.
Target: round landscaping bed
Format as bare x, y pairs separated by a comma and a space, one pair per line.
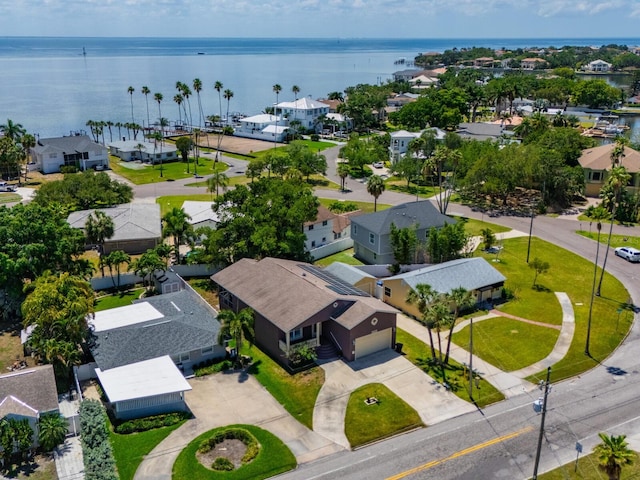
234, 452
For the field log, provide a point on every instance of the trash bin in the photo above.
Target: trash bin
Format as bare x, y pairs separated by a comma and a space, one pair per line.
399, 347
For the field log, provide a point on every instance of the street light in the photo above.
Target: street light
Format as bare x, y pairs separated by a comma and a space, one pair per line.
541, 404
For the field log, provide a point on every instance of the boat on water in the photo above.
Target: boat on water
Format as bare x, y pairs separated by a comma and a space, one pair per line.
606, 126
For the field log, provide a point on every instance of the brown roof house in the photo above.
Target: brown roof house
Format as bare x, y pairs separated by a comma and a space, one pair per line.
596, 163
328, 233
296, 303
27, 394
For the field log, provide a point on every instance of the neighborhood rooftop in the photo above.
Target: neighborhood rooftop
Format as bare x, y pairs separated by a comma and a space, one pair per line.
34, 388
402, 216
131, 220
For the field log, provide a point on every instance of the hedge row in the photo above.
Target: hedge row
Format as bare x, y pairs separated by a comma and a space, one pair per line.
246, 437
99, 463
149, 423
212, 366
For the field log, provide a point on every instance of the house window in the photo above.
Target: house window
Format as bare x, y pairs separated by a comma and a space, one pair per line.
324, 239
387, 292
355, 229
313, 244
596, 176
324, 223
372, 238
295, 334
310, 227
206, 350
183, 357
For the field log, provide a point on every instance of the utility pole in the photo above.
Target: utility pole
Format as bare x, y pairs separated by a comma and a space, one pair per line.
471, 359
541, 435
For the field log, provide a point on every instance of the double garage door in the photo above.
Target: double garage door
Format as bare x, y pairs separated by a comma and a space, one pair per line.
372, 343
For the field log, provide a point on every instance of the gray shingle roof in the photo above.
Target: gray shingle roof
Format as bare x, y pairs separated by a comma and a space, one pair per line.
132, 221
70, 144
187, 325
348, 273
469, 273
35, 387
424, 213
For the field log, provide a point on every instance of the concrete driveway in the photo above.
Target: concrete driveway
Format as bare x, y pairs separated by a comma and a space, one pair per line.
226, 399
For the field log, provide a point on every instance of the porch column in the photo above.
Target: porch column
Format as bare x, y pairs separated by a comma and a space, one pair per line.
287, 340
318, 333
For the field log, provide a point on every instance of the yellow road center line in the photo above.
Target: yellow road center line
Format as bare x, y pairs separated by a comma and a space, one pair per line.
461, 453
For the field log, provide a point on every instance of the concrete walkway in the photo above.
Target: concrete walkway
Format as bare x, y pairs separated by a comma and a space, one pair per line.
225, 399
432, 402
69, 460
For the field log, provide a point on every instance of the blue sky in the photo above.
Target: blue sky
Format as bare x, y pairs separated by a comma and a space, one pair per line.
323, 18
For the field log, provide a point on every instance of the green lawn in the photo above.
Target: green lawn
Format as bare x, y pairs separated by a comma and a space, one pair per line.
171, 201
395, 184
170, 171
588, 470
118, 299
572, 274
129, 450
616, 240
9, 197
367, 423
419, 353
508, 344
365, 207
344, 257
232, 182
297, 393
474, 227
274, 458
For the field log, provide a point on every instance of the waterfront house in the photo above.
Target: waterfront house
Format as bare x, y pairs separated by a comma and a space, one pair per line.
145, 151
532, 63
79, 151
401, 139
303, 110
596, 164
597, 66
264, 126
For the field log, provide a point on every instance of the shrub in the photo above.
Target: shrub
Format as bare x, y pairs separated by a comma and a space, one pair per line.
222, 464
99, 463
315, 137
301, 355
342, 207
246, 437
213, 367
68, 169
149, 423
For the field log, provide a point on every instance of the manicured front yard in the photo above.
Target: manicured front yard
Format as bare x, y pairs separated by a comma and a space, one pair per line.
419, 353
144, 173
364, 207
274, 458
344, 257
129, 450
474, 227
588, 470
175, 201
508, 344
616, 240
573, 275
117, 299
9, 197
297, 393
390, 415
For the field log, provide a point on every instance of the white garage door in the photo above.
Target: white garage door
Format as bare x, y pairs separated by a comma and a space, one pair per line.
373, 343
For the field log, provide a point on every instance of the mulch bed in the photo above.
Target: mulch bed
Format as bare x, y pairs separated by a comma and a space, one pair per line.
231, 449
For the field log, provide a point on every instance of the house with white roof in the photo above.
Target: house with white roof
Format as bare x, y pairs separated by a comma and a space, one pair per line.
423, 81
304, 110
79, 151
598, 66
202, 214
401, 139
262, 127
152, 152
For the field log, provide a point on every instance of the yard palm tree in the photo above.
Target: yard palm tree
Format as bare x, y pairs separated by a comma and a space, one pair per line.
296, 90
27, 142
146, 265
186, 94
237, 326
116, 259
197, 87
130, 90
140, 147
184, 145
145, 91
216, 181
617, 180
218, 88
343, 172
613, 454
109, 124
99, 228
52, 429
12, 130
176, 224
422, 296
158, 98
277, 88
178, 99
158, 138
375, 187
598, 214
228, 95
458, 299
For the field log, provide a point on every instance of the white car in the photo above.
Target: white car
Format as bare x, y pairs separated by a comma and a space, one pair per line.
378, 165
628, 253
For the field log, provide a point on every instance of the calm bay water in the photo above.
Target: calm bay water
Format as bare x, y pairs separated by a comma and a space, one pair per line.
49, 86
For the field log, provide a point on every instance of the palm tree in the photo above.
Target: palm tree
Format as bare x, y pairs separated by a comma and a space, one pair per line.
228, 95
184, 145
186, 93
158, 98
438, 315
277, 88
176, 225
343, 172
27, 142
218, 87
146, 265
116, 259
98, 228
422, 296
109, 124
197, 87
145, 91
216, 181
12, 130
158, 137
459, 299
178, 99
296, 90
119, 126
52, 430
616, 180
131, 90
140, 147
237, 326
613, 454
375, 187
598, 214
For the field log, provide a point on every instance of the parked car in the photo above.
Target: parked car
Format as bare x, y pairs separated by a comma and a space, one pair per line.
378, 165
5, 187
628, 253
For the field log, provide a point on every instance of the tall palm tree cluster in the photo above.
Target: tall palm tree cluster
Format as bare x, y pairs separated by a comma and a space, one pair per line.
15, 150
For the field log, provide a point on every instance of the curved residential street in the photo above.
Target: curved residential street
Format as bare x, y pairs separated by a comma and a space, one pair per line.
496, 443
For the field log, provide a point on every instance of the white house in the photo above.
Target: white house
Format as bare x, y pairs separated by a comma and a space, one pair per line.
401, 139
423, 81
262, 127
304, 110
78, 151
153, 152
598, 66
